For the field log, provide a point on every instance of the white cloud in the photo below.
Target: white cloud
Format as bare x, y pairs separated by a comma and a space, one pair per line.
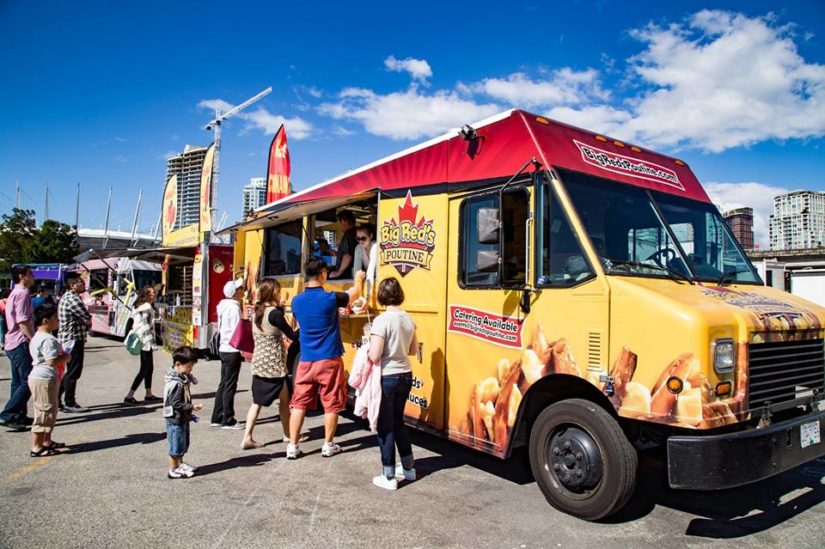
215, 104
406, 115
713, 81
759, 196
261, 119
723, 80
563, 87
601, 118
341, 131
419, 69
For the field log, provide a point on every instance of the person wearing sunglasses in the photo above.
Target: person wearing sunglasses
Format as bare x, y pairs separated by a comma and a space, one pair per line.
366, 253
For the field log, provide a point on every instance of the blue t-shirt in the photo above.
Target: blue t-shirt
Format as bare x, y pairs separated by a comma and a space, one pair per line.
317, 314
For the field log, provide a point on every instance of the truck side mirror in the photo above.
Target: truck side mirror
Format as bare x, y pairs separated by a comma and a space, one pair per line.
487, 261
487, 222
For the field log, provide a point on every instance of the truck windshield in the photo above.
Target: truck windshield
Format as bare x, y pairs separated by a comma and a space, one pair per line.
712, 252
681, 239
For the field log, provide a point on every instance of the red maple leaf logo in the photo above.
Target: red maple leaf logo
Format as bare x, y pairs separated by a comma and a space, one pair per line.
408, 212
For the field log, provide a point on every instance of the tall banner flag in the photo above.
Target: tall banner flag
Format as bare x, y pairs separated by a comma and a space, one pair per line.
277, 173
206, 190
169, 207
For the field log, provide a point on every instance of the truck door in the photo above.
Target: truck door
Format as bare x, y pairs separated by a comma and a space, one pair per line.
523, 302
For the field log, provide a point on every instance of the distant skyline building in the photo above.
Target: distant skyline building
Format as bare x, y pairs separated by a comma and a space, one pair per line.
740, 222
798, 221
188, 166
254, 195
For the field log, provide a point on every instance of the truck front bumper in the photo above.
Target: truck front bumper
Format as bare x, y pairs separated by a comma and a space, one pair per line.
724, 461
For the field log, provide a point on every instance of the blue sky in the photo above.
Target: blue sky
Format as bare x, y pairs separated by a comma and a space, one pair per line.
100, 92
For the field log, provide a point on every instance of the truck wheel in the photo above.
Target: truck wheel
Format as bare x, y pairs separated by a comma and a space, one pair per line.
581, 459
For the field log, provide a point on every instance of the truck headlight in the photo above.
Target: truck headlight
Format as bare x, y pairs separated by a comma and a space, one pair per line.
724, 356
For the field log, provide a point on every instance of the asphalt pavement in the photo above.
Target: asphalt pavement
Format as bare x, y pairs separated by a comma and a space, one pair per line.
109, 489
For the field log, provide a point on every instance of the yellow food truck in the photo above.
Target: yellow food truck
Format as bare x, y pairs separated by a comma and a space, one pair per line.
575, 294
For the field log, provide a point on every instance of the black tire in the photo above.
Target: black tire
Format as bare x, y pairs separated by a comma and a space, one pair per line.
581, 459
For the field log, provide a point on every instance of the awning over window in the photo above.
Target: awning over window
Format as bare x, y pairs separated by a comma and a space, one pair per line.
285, 212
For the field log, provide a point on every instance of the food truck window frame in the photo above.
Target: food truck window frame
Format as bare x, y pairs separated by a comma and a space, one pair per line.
268, 235
469, 239
544, 190
469, 245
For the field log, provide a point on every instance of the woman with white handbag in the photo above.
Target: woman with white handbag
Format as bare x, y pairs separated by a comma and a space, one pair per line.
143, 315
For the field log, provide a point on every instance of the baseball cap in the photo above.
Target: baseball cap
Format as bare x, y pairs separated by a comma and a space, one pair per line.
230, 287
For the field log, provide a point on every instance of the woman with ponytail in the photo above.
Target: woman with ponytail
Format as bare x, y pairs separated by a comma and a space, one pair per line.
269, 368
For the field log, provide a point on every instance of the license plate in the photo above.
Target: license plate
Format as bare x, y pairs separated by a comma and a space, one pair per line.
809, 434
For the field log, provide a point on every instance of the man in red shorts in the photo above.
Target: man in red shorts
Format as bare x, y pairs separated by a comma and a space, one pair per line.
321, 369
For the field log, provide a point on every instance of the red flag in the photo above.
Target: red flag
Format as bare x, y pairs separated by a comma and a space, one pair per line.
277, 173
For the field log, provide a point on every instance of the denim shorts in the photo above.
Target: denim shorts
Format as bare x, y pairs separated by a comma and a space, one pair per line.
178, 438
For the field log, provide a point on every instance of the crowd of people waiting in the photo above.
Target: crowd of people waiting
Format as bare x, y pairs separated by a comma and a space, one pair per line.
48, 367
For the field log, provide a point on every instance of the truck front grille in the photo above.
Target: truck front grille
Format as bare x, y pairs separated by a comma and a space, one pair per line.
784, 370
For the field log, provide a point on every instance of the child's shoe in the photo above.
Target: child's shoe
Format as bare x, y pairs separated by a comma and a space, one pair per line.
192, 468
386, 483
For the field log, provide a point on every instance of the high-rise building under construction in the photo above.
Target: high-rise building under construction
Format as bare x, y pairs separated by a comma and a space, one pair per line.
188, 166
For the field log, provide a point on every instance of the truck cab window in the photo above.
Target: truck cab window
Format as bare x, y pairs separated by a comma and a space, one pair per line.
283, 250
479, 252
562, 261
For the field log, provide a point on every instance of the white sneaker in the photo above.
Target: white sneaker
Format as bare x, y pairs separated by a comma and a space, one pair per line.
330, 449
187, 467
292, 451
386, 483
180, 472
404, 474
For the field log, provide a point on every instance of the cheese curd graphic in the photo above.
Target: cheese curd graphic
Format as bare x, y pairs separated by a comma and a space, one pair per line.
495, 401
636, 400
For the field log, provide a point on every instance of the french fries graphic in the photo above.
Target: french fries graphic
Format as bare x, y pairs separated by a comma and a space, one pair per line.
495, 401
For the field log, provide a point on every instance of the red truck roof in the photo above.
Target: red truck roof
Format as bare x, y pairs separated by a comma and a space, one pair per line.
505, 142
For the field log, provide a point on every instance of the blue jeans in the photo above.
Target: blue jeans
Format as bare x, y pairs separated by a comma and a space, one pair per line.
21, 367
178, 438
392, 432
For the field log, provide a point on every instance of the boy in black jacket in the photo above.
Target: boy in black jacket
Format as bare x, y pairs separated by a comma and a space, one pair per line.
178, 408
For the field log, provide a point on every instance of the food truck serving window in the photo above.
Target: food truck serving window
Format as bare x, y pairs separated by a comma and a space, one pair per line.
283, 249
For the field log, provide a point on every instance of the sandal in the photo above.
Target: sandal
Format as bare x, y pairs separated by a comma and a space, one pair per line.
55, 445
43, 452
251, 445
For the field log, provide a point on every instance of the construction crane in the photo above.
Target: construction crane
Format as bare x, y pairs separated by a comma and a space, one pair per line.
215, 125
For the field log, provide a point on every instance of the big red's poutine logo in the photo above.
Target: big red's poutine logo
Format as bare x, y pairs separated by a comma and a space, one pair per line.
407, 243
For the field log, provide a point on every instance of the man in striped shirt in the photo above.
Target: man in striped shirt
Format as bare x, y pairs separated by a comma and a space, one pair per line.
74, 321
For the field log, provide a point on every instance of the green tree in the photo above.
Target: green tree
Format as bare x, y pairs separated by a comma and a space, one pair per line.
16, 232
21, 241
53, 242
